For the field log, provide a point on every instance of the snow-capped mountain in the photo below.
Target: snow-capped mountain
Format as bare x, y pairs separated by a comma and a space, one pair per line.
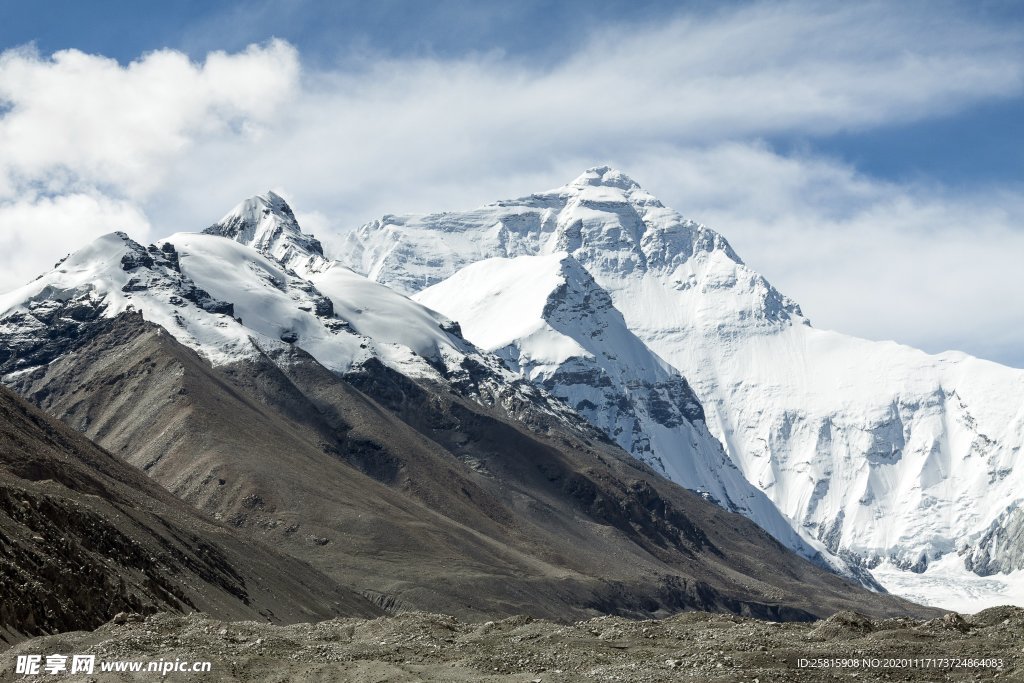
875, 448
237, 298
358, 430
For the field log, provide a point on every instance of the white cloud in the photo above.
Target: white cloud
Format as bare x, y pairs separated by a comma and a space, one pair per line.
680, 106
37, 231
78, 119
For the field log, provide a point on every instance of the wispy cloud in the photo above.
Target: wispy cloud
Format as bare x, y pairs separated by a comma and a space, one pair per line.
683, 106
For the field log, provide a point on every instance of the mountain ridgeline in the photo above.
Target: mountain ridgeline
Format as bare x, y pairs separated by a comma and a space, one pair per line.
302, 405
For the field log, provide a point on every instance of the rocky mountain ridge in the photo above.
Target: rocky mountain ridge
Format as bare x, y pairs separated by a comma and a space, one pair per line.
370, 439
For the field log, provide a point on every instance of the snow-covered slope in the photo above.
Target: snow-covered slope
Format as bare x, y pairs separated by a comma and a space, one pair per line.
257, 303
875, 448
548, 319
103, 279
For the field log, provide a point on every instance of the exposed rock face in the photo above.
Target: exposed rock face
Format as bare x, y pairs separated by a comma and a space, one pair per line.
40, 321
1000, 549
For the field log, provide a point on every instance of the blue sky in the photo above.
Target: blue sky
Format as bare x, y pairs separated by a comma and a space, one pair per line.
880, 144
327, 31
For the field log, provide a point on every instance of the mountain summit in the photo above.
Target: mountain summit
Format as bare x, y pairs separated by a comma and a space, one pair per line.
604, 219
606, 176
266, 223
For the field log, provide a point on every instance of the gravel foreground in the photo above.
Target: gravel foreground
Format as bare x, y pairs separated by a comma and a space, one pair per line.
431, 647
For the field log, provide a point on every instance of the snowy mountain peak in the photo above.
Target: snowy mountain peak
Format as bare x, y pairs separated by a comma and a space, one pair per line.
266, 223
618, 231
253, 218
605, 176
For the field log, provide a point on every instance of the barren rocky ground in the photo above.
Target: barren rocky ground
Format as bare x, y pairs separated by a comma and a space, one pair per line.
428, 647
